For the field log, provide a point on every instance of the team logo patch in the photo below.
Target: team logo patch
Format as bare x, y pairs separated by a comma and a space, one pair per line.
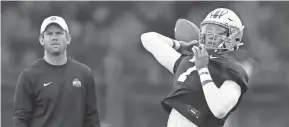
76, 82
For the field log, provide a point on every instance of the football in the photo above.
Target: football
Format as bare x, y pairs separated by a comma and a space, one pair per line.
186, 31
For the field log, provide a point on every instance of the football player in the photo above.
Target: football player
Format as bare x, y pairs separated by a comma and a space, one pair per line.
209, 84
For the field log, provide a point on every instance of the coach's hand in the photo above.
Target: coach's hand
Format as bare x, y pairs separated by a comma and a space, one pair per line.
186, 47
201, 56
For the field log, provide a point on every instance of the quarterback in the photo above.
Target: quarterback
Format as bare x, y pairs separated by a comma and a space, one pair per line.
208, 84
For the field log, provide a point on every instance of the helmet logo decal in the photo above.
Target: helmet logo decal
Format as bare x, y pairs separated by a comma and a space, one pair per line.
219, 13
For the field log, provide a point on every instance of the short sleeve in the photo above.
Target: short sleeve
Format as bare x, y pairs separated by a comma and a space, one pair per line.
178, 63
239, 76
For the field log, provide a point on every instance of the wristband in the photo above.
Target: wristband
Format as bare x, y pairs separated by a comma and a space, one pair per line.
206, 82
204, 70
205, 76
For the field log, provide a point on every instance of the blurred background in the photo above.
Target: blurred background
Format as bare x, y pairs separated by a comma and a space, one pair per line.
130, 83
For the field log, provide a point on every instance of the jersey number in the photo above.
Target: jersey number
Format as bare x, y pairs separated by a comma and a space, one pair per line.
184, 75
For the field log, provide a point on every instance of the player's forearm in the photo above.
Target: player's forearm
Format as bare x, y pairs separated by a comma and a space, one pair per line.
150, 40
215, 98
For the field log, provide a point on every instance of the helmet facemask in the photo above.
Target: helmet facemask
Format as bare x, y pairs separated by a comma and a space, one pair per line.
220, 38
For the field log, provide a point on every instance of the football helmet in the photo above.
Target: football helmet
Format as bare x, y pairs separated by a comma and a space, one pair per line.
221, 30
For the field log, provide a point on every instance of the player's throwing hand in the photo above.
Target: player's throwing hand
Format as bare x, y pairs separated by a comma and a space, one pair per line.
186, 47
201, 56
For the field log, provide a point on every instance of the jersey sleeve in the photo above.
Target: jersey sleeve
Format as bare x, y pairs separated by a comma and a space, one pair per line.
23, 101
239, 76
177, 63
91, 109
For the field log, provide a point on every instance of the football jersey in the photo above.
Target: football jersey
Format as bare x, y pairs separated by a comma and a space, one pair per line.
187, 95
